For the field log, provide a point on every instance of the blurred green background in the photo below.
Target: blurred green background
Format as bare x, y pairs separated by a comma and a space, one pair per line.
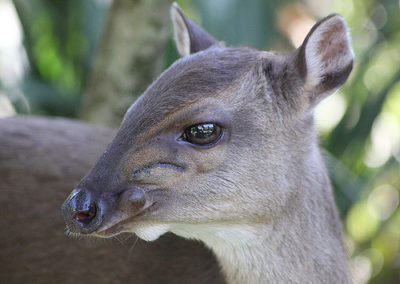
47, 59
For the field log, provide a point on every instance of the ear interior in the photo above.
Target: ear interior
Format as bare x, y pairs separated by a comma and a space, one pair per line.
189, 36
181, 32
325, 58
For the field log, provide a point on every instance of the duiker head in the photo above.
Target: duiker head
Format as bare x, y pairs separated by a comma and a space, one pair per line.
219, 137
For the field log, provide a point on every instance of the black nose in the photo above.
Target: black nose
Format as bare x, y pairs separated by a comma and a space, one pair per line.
82, 213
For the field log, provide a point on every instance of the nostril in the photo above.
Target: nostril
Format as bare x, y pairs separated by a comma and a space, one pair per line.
86, 216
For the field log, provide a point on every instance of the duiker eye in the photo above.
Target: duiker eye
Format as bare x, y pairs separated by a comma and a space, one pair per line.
202, 134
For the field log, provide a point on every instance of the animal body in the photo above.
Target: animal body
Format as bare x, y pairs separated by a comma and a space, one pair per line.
222, 148
41, 159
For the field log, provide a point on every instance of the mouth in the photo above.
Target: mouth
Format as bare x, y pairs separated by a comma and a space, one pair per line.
110, 230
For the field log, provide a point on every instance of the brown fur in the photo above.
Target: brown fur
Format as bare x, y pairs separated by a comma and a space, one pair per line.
41, 159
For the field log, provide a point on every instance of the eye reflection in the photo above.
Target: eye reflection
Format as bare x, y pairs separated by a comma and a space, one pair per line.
202, 134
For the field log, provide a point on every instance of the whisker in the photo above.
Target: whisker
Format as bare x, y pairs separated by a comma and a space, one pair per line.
120, 241
132, 247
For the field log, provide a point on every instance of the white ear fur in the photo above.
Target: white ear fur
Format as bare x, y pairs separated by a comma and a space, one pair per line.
327, 51
181, 32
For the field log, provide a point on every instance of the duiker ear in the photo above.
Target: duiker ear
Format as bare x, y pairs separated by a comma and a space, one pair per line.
325, 59
189, 37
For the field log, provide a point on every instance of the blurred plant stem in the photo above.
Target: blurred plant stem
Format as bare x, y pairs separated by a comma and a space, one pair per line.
130, 56
23, 7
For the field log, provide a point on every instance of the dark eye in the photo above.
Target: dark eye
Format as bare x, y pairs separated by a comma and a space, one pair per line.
202, 134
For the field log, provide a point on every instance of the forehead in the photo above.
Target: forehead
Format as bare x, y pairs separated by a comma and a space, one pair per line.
198, 76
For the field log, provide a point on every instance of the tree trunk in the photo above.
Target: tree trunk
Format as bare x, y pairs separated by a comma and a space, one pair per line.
130, 56
41, 160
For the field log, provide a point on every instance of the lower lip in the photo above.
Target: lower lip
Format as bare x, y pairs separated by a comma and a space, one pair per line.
118, 227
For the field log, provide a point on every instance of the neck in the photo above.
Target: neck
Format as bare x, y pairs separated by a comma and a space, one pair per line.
300, 244
304, 246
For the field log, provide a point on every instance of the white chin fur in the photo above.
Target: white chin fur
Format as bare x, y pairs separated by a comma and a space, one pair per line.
151, 233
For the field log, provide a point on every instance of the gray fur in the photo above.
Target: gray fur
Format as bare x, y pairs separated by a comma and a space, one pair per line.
260, 198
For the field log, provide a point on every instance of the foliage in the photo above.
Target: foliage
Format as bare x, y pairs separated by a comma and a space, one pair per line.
366, 140
59, 39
